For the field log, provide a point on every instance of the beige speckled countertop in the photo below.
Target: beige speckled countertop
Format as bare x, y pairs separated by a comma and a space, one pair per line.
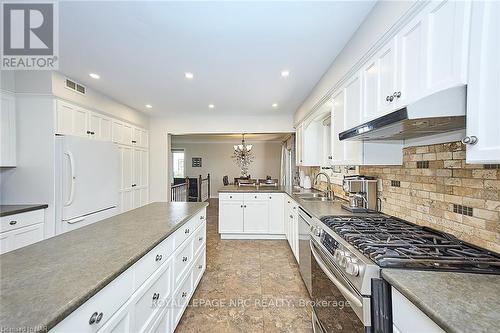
318, 209
43, 283
457, 302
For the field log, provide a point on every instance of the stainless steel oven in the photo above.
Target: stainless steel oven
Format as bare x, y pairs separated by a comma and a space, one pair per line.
337, 305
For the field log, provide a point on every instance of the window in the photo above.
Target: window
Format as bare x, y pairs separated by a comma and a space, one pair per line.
178, 163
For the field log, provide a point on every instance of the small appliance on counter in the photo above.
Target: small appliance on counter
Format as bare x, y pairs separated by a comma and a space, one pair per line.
362, 192
307, 183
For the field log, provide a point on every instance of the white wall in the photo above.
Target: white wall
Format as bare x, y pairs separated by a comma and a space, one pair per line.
95, 100
216, 160
382, 17
211, 123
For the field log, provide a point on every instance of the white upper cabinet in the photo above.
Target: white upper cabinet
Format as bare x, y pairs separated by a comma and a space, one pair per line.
446, 45
410, 55
345, 152
7, 130
100, 126
71, 119
483, 91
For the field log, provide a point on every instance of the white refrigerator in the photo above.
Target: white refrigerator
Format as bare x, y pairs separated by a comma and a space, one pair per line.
87, 181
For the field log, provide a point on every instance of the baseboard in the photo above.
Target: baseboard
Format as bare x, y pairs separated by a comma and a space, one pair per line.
251, 236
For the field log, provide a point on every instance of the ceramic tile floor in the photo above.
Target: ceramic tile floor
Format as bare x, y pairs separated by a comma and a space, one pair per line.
248, 286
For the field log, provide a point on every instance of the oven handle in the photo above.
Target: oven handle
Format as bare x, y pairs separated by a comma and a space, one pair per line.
346, 292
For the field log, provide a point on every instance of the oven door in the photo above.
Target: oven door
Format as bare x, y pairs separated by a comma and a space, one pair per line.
337, 306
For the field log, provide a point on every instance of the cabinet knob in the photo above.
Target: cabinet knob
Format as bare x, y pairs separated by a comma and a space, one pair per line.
184, 259
244, 206
134, 185
159, 257
99, 317
387, 98
255, 197
156, 296
291, 216
133, 141
470, 140
202, 217
200, 266
186, 231
184, 294
397, 94
391, 98
89, 132
12, 222
93, 318
92, 132
230, 197
241, 206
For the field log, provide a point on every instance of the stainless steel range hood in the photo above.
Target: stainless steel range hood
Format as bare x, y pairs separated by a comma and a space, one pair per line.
441, 112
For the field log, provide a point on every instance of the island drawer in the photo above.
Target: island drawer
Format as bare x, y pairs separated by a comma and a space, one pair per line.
182, 260
95, 312
256, 196
200, 237
181, 297
153, 260
231, 196
20, 220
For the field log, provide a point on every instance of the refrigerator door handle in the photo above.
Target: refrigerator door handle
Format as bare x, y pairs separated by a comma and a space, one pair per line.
72, 188
78, 219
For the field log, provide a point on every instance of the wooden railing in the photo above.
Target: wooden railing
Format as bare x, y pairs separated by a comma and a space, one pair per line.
203, 188
180, 192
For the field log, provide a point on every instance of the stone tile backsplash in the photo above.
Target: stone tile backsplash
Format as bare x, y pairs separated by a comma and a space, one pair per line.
439, 190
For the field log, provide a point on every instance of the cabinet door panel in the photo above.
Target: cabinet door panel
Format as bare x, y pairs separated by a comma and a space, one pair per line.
127, 202
80, 122
276, 213
410, 62
387, 77
483, 97
95, 125
105, 131
127, 167
7, 130
231, 217
446, 42
117, 131
370, 91
256, 218
127, 134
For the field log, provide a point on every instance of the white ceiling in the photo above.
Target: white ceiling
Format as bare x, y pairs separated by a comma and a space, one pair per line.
236, 51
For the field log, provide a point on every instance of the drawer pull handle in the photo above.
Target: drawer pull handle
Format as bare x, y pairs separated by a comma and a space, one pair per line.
200, 239
230, 197
255, 197
186, 231
159, 257
99, 318
93, 318
291, 216
200, 266
184, 259
12, 222
202, 217
184, 294
156, 296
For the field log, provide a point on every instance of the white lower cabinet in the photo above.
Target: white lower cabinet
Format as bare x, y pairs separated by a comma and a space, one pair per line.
19, 230
150, 296
251, 215
407, 318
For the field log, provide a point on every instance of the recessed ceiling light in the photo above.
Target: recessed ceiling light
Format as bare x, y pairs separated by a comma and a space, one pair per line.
211, 106
94, 76
188, 75
275, 105
285, 73
149, 106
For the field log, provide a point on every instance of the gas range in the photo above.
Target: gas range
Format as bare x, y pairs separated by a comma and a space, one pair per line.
393, 243
360, 245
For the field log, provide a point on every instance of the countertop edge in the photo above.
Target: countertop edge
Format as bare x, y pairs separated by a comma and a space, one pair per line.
23, 210
419, 303
65, 312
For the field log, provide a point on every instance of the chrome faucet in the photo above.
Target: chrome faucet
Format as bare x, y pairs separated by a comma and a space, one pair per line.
329, 192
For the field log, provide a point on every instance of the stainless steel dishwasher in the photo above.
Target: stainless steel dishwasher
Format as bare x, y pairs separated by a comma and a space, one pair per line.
305, 248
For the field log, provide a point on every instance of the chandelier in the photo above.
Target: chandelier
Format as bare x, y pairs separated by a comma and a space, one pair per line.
243, 156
